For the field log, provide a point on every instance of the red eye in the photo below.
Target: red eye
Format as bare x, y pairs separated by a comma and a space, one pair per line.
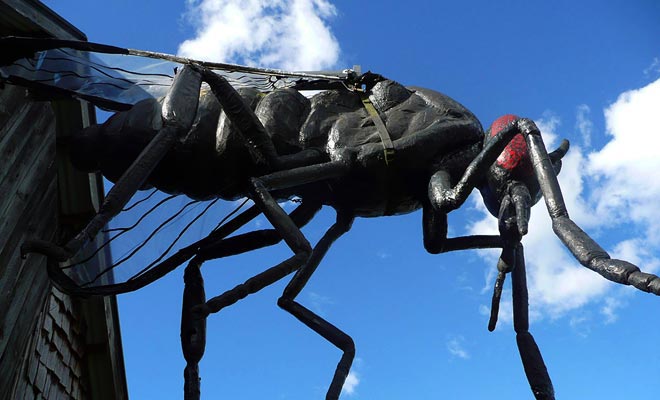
502, 123
515, 155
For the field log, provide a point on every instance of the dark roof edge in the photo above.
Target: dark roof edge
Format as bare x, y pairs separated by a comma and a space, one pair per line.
44, 17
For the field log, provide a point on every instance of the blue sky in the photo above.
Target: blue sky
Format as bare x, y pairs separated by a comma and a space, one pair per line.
589, 72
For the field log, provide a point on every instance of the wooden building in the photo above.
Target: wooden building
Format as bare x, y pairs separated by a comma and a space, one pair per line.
52, 346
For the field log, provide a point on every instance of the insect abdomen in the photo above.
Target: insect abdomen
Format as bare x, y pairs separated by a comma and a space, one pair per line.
212, 160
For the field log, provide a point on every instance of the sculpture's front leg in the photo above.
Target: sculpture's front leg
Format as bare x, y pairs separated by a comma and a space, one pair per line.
178, 113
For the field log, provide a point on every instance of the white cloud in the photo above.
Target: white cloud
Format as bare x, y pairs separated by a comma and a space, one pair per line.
637, 252
609, 309
580, 324
583, 124
456, 347
318, 302
351, 382
287, 34
628, 165
463, 281
548, 124
625, 172
653, 70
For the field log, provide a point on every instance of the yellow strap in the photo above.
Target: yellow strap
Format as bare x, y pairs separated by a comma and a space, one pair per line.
388, 146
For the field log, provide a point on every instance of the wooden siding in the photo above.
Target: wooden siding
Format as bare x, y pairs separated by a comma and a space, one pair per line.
52, 346
27, 204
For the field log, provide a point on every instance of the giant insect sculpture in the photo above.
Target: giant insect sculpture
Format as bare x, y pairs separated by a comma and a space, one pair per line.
365, 146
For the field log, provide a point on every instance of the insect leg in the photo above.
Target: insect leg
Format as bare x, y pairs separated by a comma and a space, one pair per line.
434, 224
179, 109
331, 333
253, 130
291, 234
583, 247
512, 223
436, 241
535, 369
195, 308
193, 329
283, 224
447, 198
247, 242
293, 237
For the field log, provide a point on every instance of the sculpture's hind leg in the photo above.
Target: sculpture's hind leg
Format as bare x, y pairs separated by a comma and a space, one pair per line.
585, 249
248, 242
330, 332
193, 329
304, 257
195, 307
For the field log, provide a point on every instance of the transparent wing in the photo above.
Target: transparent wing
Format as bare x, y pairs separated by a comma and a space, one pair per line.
115, 78
152, 236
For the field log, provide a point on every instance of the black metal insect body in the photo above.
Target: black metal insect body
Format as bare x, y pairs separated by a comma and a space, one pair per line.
365, 146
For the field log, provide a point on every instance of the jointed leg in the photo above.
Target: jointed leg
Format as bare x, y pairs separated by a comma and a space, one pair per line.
283, 223
195, 309
512, 218
585, 249
434, 226
193, 330
313, 321
446, 197
260, 281
252, 129
512, 260
179, 109
303, 256
256, 239
535, 369
436, 241
248, 242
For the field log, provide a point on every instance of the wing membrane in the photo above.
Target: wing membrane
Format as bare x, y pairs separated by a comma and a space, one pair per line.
116, 78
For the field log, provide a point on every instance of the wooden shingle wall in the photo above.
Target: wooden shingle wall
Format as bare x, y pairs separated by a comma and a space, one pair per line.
53, 367
52, 346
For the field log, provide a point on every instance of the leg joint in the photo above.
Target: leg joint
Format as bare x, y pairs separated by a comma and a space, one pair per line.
284, 303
